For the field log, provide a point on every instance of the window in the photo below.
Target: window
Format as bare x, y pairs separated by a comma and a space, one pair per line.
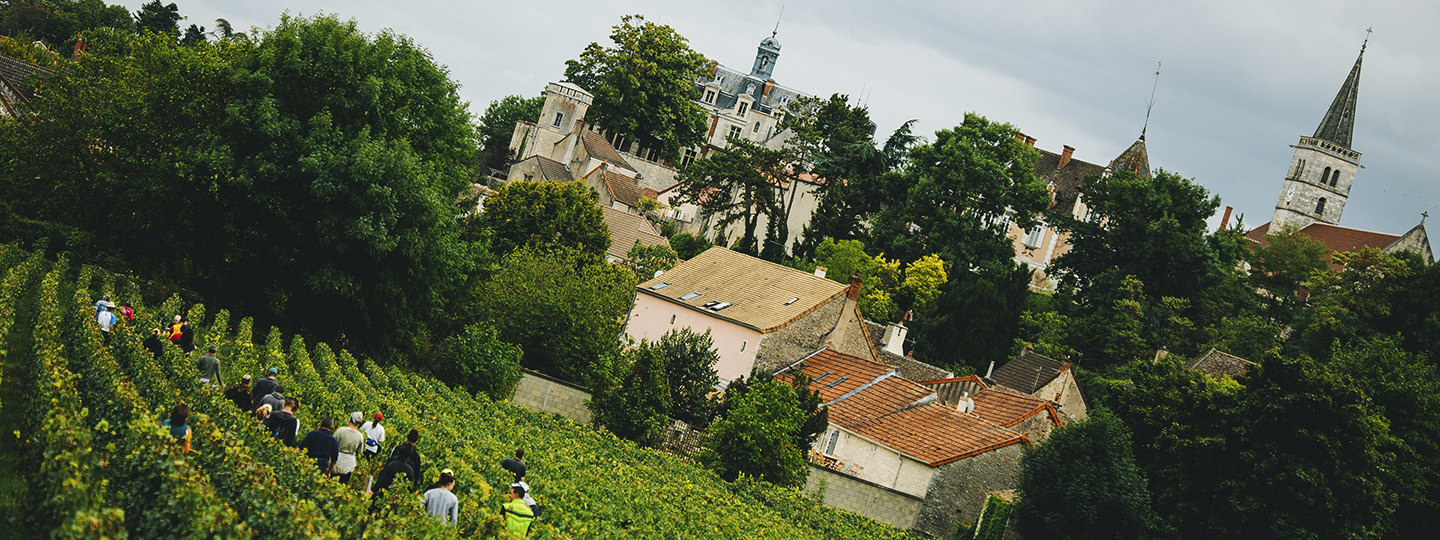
720, 78
672, 318
734, 132
780, 119
687, 158
709, 96
1335, 178
1299, 169
1320, 206
1002, 223
1325, 178
742, 108
756, 129
743, 343
1033, 236
834, 436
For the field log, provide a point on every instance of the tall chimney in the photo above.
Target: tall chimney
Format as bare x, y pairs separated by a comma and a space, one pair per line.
855, 282
895, 339
1225, 221
1065, 157
1030, 140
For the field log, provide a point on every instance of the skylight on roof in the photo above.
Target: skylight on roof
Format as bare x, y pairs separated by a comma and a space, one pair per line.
690, 295
710, 303
827, 374
793, 300
837, 381
660, 285
720, 306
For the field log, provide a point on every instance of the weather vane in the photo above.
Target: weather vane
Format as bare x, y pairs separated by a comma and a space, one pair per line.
1362, 44
1151, 104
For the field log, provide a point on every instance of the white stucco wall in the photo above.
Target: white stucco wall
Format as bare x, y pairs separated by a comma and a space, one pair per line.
877, 463
652, 317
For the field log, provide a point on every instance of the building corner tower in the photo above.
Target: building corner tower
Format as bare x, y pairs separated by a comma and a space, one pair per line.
1323, 168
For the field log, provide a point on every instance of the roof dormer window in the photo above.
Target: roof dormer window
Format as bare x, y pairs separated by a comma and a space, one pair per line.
742, 108
709, 96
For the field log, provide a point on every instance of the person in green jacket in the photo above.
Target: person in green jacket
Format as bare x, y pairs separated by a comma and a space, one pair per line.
517, 515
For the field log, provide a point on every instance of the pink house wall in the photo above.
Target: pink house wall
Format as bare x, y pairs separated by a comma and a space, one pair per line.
653, 317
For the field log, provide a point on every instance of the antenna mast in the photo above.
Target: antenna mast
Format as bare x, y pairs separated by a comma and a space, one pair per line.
1151, 104
777, 21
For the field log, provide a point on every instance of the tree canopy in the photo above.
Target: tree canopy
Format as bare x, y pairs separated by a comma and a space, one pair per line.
546, 213
740, 183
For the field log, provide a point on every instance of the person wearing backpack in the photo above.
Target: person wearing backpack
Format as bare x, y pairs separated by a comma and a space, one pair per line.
283, 424
374, 435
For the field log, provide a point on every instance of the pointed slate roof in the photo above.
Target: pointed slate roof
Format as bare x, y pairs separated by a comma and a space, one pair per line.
1134, 159
1339, 122
1028, 372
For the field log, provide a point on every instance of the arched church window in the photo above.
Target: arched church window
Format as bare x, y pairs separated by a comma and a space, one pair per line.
1325, 178
1320, 206
1335, 178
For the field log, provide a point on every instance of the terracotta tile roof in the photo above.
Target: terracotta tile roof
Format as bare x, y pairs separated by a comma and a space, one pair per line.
937, 434
1335, 238
876, 403
649, 192
597, 147
626, 229
758, 292
1218, 364
951, 389
1028, 372
622, 188
1006, 409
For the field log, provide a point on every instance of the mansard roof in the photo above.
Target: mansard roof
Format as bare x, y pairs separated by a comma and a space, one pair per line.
1339, 122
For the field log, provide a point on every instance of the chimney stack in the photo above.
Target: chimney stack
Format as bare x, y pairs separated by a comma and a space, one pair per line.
820, 271
1225, 221
895, 339
1065, 157
1030, 140
855, 282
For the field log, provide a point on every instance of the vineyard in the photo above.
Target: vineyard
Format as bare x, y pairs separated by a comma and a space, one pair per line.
100, 465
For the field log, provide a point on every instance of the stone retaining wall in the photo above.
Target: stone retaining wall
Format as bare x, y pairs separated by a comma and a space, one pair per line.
542, 393
865, 498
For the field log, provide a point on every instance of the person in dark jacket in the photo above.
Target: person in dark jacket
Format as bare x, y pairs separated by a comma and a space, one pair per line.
398, 465
413, 440
283, 422
240, 394
263, 387
154, 344
516, 465
322, 447
187, 336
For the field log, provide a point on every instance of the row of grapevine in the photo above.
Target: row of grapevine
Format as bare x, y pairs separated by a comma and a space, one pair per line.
240, 482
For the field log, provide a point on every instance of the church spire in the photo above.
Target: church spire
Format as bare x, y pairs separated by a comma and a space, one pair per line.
1339, 123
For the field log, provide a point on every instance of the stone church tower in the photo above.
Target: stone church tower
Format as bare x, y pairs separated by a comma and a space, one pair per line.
1324, 166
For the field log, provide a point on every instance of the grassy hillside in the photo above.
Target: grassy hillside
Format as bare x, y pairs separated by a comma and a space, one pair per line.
98, 464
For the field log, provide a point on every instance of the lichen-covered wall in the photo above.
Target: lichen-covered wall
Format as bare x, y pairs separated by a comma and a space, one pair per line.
958, 490
540, 393
800, 339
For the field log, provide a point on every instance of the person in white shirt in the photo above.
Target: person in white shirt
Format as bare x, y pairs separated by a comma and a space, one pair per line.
374, 435
106, 319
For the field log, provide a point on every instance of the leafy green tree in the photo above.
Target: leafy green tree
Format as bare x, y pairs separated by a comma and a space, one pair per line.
960, 186
546, 213
193, 35
562, 309
646, 260
497, 125
643, 86
756, 436
739, 183
923, 280
687, 246
974, 320
1353, 304
1248, 336
159, 18
224, 30
690, 360
1279, 268
1082, 482
842, 259
480, 362
629, 394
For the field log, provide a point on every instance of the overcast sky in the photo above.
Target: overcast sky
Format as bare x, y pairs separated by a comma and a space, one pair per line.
1240, 82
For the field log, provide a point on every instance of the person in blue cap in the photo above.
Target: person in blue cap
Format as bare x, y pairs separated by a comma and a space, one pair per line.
263, 387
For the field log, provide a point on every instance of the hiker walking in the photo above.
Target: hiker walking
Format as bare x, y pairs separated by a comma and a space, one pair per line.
276, 399
128, 313
516, 465
283, 424
400, 464
350, 442
209, 367
374, 435
154, 345
240, 393
412, 439
103, 303
106, 319
440, 500
263, 387
322, 447
178, 425
517, 515
187, 336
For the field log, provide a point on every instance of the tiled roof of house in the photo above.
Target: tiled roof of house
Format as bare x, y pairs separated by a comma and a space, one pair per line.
1067, 180
872, 400
626, 229
597, 147
1217, 364
754, 292
909, 367
1006, 409
551, 170
952, 389
622, 188
17, 71
937, 434
1335, 238
1028, 372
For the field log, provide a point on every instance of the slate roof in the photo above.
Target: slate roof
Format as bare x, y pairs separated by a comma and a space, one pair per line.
1335, 238
759, 291
1006, 409
1339, 122
551, 170
625, 229
1028, 372
1217, 364
1067, 180
874, 402
1134, 159
17, 71
597, 147
622, 188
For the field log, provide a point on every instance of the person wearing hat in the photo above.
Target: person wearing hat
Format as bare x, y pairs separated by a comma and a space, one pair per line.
322, 447
209, 367
263, 387
240, 393
374, 435
440, 500
350, 441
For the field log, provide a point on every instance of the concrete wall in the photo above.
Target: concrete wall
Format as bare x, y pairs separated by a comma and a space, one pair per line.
865, 498
878, 464
737, 345
958, 490
542, 393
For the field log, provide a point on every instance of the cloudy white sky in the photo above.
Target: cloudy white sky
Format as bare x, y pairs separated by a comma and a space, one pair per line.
1240, 82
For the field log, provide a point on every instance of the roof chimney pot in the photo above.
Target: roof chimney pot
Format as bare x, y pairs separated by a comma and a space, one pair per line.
1065, 157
